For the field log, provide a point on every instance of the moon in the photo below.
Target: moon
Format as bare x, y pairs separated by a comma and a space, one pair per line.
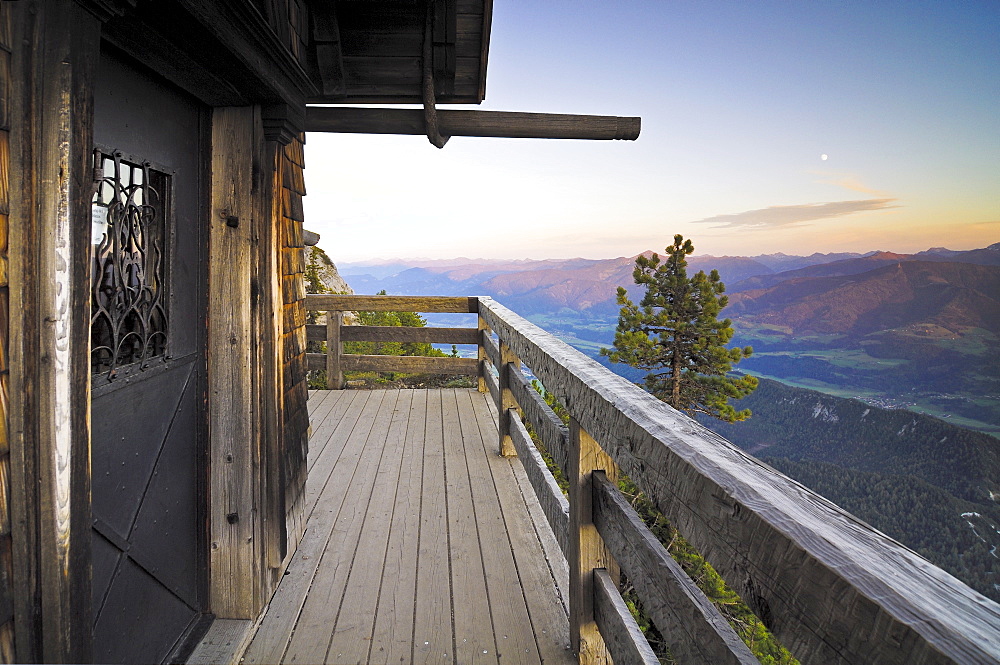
824, 156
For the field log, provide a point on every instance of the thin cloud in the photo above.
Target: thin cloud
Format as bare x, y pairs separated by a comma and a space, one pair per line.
778, 216
851, 182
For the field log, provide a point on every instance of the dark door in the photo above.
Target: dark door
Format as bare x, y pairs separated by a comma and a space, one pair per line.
148, 365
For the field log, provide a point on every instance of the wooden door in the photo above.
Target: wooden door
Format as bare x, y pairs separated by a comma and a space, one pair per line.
148, 365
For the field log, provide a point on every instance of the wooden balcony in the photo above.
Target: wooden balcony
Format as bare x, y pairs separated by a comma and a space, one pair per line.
425, 545
422, 545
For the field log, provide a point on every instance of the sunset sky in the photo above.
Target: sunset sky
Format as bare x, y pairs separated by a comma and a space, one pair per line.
739, 103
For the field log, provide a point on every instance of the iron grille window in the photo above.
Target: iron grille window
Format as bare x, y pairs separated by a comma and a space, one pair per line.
128, 322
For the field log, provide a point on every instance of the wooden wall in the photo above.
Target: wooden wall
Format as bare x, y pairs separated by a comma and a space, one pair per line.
6, 572
296, 425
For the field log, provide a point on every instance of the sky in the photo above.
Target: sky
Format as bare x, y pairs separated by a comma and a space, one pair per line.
792, 127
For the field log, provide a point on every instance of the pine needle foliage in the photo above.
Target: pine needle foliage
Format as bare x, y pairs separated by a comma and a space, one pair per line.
675, 333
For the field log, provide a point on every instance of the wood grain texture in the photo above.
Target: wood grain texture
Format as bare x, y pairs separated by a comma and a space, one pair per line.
335, 436
225, 640
500, 124
352, 636
433, 630
621, 633
516, 616
55, 51
691, 625
833, 589
392, 636
482, 332
334, 351
546, 424
546, 489
353, 490
496, 498
333, 303
235, 535
586, 547
528, 542
267, 354
318, 333
409, 364
7, 645
492, 386
468, 577
295, 434
508, 369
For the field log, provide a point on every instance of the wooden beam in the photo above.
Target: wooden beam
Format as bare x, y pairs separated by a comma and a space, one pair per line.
337, 303
235, 535
56, 46
621, 633
499, 124
409, 364
550, 497
408, 334
547, 425
817, 575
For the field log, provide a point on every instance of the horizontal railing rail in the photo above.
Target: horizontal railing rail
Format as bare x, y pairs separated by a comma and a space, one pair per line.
335, 362
831, 588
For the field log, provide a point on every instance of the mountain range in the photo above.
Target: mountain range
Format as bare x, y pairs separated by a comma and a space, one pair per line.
918, 331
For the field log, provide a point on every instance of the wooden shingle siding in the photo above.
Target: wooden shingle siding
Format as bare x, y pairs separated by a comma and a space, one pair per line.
296, 425
6, 572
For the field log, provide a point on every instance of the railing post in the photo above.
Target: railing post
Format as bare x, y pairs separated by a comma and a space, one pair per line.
481, 353
334, 375
506, 409
586, 547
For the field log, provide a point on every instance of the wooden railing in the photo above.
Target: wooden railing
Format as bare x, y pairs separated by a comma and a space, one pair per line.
335, 333
832, 589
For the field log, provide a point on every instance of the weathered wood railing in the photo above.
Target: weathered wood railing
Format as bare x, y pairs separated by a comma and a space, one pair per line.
833, 589
334, 333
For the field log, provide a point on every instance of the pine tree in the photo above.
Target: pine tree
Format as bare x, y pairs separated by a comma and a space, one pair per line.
675, 333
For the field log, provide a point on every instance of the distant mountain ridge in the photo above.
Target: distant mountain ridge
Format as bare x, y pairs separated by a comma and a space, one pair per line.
899, 294
917, 330
588, 286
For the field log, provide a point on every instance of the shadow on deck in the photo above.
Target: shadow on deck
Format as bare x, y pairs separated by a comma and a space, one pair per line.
421, 545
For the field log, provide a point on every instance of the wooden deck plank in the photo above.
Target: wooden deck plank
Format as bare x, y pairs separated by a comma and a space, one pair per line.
511, 621
356, 616
392, 640
342, 421
433, 633
411, 543
540, 562
315, 398
474, 638
329, 416
277, 624
317, 618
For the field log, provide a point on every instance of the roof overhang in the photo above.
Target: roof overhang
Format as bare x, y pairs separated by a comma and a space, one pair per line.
371, 51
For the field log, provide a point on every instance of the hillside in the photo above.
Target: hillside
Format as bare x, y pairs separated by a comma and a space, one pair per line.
944, 298
931, 485
915, 330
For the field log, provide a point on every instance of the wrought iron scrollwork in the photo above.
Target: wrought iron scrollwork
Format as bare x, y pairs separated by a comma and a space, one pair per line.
128, 313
